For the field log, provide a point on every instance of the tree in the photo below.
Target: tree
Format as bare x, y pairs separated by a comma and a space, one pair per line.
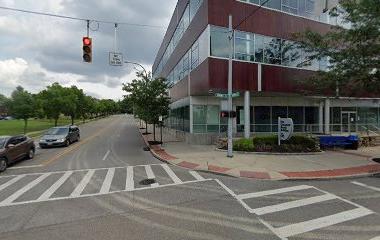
150, 98
353, 51
22, 105
3, 104
53, 101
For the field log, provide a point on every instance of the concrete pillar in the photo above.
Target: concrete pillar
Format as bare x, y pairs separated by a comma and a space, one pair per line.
259, 77
247, 106
191, 115
320, 119
327, 116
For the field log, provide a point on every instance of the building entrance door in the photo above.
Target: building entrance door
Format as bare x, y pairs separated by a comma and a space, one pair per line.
349, 122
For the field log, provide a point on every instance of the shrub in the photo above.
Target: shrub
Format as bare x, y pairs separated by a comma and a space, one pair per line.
244, 145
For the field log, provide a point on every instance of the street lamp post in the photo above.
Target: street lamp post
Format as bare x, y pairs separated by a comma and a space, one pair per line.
231, 42
138, 64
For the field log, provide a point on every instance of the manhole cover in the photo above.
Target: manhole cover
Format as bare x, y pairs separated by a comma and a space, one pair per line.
148, 181
376, 160
146, 149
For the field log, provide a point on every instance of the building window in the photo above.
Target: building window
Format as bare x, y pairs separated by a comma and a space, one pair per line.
272, 51
244, 46
297, 114
219, 42
262, 119
275, 4
290, 6
195, 55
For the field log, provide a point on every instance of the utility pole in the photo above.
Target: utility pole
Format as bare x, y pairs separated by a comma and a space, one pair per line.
231, 49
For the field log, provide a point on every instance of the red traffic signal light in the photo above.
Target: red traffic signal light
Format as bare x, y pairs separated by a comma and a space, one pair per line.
226, 114
87, 49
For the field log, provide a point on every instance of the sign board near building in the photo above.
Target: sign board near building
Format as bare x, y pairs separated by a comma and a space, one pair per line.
285, 129
116, 59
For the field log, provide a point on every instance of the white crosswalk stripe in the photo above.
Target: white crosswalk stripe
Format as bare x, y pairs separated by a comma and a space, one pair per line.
130, 184
48, 193
290, 230
24, 189
150, 175
90, 177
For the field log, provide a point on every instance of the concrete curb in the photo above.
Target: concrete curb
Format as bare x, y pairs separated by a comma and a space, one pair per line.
273, 153
331, 174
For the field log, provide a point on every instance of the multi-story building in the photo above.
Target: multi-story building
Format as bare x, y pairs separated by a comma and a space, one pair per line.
267, 65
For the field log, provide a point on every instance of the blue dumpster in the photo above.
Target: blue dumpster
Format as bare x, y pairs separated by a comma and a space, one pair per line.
351, 141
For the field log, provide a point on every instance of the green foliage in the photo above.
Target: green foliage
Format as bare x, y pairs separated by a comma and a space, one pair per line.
22, 105
150, 97
270, 144
354, 52
244, 145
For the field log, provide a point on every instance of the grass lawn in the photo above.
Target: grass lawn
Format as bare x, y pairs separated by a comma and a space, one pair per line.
15, 127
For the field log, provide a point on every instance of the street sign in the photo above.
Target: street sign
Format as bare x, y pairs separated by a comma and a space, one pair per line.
116, 59
225, 95
285, 129
160, 118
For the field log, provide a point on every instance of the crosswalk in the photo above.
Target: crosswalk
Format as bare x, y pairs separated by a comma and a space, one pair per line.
50, 186
355, 211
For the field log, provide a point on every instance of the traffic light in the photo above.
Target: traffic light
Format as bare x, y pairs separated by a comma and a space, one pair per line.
226, 114
87, 49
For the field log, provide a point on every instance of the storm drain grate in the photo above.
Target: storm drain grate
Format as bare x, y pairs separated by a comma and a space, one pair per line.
147, 181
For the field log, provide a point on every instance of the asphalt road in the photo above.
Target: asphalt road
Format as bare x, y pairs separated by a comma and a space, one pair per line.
98, 189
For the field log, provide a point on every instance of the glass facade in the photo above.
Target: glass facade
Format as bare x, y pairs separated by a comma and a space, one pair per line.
179, 119
364, 118
206, 119
311, 9
262, 49
181, 28
192, 58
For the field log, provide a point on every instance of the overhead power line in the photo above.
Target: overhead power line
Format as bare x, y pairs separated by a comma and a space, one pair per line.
251, 14
80, 19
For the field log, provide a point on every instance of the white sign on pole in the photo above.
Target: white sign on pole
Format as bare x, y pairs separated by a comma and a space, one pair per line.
160, 118
285, 129
116, 59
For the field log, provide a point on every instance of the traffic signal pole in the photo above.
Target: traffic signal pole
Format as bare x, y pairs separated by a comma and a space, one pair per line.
231, 48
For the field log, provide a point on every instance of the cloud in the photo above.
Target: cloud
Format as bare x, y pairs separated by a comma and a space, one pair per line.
52, 50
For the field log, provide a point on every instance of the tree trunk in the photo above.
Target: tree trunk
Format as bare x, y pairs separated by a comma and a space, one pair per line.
146, 127
55, 122
72, 119
25, 125
154, 132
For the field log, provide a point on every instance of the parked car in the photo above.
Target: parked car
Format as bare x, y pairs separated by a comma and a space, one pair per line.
13, 149
60, 136
9, 118
1, 118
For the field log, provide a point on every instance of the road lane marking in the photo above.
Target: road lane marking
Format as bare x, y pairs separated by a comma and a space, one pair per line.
129, 184
294, 229
318, 223
106, 155
10, 182
78, 170
108, 181
150, 175
83, 183
49, 192
21, 191
293, 204
101, 194
196, 175
23, 167
272, 192
171, 174
77, 145
366, 186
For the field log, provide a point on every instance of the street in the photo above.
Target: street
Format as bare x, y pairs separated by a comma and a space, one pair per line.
102, 188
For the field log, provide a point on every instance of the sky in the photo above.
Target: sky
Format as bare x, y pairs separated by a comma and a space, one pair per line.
36, 51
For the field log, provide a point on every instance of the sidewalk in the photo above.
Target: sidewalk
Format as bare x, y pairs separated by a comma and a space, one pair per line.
330, 164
